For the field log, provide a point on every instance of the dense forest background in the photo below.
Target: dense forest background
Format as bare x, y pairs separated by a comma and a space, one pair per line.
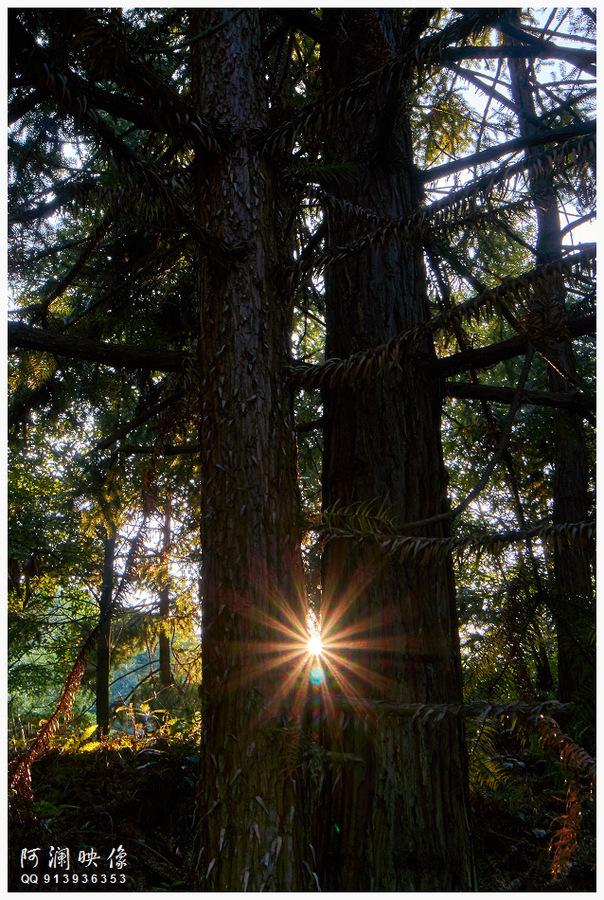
301, 428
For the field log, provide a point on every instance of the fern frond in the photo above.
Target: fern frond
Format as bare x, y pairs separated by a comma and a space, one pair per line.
564, 842
485, 771
577, 761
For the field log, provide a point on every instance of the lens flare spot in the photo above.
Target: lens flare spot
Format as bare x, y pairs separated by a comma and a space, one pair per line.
317, 675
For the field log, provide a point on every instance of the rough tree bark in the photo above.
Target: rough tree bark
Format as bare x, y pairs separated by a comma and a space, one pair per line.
400, 820
572, 601
251, 822
103, 646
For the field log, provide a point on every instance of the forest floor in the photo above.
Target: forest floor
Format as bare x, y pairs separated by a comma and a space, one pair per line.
143, 801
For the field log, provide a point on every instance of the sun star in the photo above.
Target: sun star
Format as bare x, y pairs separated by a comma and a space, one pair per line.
315, 645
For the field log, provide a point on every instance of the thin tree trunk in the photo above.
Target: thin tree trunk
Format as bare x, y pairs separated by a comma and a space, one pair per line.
103, 646
251, 821
572, 602
165, 670
399, 821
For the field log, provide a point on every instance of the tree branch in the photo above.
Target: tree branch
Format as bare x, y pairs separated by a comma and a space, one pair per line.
137, 421
159, 450
519, 143
574, 400
63, 195
168, 113
484, 357
581, 59
117, 355
489, 91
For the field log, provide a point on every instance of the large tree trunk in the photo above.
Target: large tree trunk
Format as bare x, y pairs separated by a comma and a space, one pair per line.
251, 822
103, 646
400, 820
165, 670
572, 602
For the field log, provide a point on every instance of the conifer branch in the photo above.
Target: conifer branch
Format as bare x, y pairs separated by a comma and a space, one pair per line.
573, 400
367, 364
61, 286
485, 357
124, 356
64, 195
418, 228
167, 112
428, 52
502, 442
140, 419
581, 59
354, 97
472, 205
574, 152
63, 88
426, 550
547, 136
